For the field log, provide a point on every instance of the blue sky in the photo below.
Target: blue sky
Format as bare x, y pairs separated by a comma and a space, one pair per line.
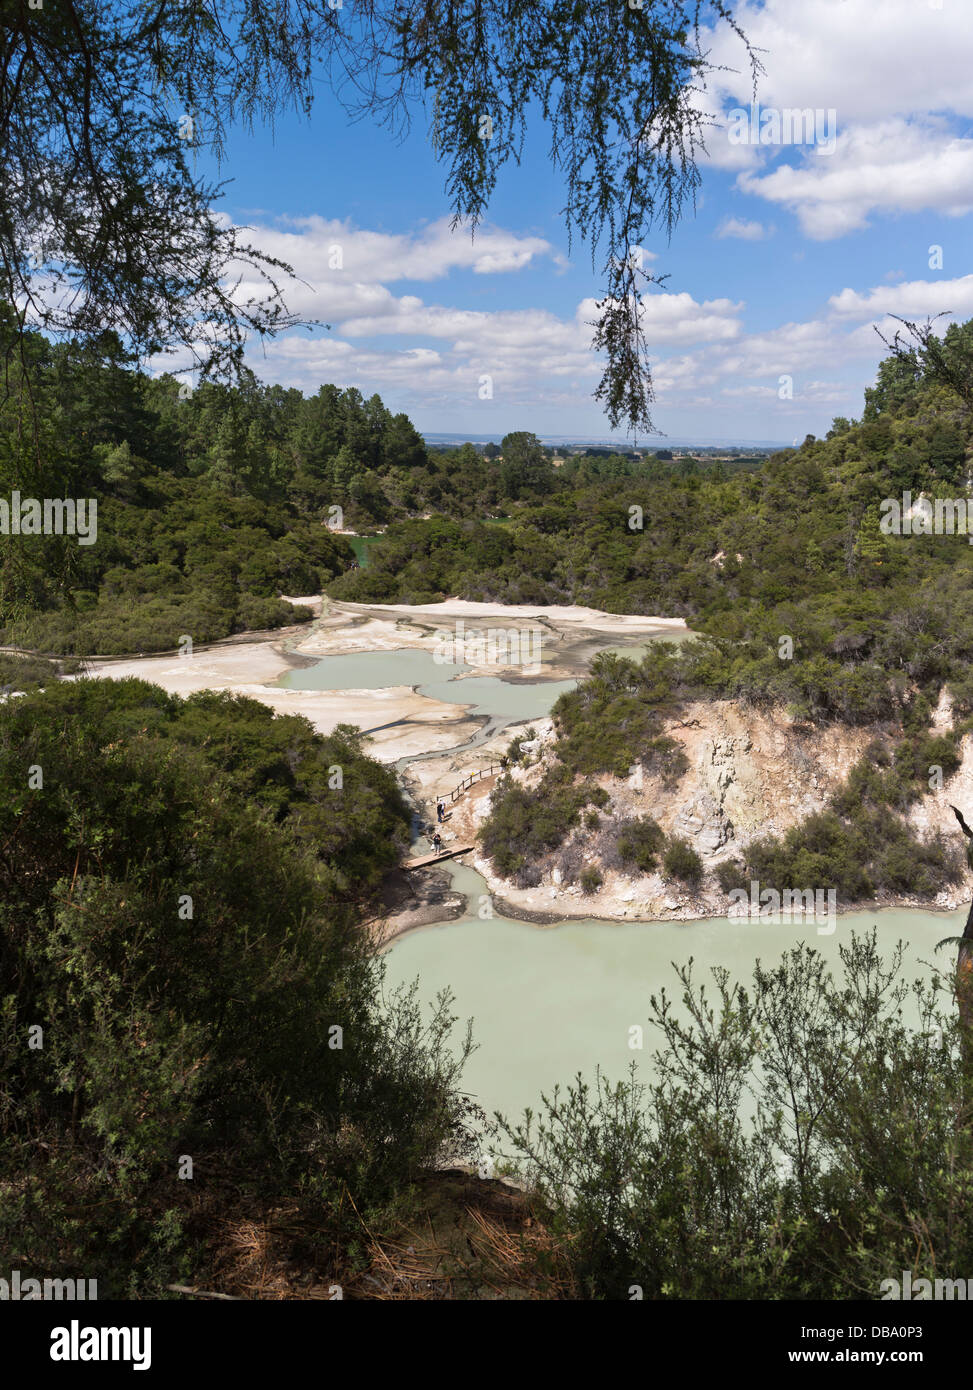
794, 253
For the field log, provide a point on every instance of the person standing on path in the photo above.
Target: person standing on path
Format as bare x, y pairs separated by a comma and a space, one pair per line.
441, 811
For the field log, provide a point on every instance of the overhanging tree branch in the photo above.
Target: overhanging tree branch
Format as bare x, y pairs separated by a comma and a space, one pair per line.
90, 98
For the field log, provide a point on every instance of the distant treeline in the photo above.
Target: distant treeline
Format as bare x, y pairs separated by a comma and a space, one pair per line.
213, 503
785, 568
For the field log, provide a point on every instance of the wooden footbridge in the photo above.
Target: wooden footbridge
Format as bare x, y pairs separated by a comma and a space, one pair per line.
450, 851
447, 852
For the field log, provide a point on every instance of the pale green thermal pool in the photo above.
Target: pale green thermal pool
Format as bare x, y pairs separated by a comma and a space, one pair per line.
437, 680
549, 1002
498, 698
362, 545
373, 671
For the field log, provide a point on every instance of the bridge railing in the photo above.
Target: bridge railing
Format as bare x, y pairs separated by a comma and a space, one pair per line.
470, 781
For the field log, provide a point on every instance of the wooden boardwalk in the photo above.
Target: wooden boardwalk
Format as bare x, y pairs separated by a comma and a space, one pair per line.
447, 852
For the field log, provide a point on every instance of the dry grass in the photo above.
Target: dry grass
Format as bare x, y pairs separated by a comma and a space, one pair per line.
475, 1239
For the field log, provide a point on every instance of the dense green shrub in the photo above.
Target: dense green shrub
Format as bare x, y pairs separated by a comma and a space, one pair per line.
590, 879
873, 851
179, 903
526, 824
21, 672
731, 875
612, 722
800, 1141
640, 842
681, 861
860, 845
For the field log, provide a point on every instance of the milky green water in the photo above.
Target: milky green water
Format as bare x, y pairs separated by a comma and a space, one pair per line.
500, 699
489, 695
362, 545
549, 1002
373, 671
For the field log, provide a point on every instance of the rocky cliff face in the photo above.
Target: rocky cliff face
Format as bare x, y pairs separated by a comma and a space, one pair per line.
751, 773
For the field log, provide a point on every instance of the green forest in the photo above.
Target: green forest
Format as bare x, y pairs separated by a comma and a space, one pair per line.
185, 972
792, 548
225, 1073
213, 505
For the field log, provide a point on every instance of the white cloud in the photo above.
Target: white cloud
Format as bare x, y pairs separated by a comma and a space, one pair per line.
884, 81
342, 270
914, 299
529, 351
744, 231
891, 167
524, 351
541, 365
538, 360
868, 63
310, 245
